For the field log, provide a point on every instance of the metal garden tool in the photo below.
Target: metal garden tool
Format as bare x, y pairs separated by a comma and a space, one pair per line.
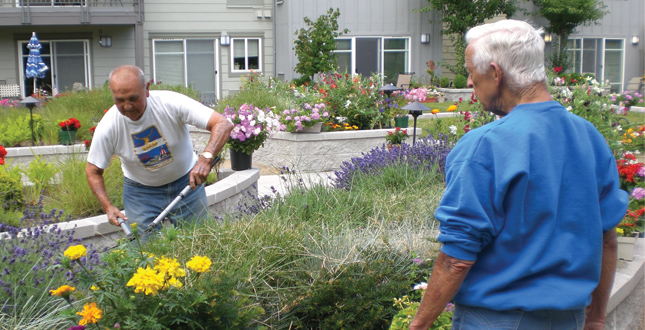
126, 227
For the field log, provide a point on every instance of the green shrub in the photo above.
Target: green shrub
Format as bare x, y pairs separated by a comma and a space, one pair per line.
18, 130
444, 82
356, 296
40, 172
73, 194
11, 193
460, 81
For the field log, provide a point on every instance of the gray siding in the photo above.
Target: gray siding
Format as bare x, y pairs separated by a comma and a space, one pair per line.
362, 18
209, 19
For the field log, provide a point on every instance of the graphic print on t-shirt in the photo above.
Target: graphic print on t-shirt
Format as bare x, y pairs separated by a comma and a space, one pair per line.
151, 148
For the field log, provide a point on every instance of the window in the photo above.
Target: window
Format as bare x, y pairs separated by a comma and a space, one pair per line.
344, 55
187, 62
601, 57
246, 54
388, 56
68, 62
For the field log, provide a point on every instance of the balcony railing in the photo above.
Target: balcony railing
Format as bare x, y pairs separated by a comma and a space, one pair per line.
56, 12
68, 3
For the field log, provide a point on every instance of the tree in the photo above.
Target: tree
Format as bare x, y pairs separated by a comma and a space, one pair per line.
564, 16
461, 15
315, 45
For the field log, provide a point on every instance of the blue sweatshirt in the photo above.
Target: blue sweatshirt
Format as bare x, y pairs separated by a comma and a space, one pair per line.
528, 198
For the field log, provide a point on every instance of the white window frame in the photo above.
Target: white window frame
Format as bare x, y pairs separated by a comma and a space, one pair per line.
603, 51
246, 55
382, 50
216, 46
54, 66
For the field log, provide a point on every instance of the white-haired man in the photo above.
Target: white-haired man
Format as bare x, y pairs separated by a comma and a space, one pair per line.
531, 201
149, 132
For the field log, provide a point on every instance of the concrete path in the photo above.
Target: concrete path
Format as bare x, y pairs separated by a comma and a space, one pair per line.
272, 184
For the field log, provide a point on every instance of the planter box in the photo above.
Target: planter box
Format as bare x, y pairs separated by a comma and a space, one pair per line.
454, 94
626, 247
321, 152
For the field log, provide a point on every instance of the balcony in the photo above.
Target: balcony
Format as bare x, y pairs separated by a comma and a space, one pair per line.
70, 12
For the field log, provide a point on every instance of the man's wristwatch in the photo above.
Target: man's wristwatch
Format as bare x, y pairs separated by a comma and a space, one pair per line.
207, 155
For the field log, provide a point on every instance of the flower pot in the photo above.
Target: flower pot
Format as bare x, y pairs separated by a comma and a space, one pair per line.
626, 247
317, 128
430, 100
67, 137
240, 161
401, 122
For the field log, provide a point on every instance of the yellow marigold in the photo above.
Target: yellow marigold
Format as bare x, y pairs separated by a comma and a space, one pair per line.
90, 314
169, 267
63, 291
75, 252
147, 281
435, 111
452, 108
199, 264
172, 282
94, 288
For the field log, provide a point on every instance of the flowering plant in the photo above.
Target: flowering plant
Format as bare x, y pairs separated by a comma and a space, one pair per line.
3, 154
252, 127
633, 138
71, 124
138, 290
397, 136
408, 308
295, 119
626, 99
632, 173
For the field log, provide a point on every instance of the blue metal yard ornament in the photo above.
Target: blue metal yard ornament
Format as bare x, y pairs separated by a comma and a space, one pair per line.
35, 66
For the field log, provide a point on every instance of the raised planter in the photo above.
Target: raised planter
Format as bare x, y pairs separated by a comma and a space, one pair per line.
234, 188
319, 152
454, 94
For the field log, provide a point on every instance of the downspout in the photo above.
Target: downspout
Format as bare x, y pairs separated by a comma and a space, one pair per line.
275, 42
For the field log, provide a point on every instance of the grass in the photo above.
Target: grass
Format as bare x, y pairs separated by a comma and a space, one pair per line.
315, 231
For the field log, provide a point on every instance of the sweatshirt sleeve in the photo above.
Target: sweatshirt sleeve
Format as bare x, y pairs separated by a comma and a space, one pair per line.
466, 211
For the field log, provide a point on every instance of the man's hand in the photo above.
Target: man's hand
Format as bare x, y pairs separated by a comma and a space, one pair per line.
113, 213
200, 171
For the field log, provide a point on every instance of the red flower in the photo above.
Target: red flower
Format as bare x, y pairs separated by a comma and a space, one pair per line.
92, 129
3, 152
557, 69
106, 110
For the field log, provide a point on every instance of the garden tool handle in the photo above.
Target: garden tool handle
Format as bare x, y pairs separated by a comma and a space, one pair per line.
126, 227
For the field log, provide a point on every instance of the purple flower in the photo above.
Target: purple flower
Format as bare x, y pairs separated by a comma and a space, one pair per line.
77, 327
641, 171
638, 192
418, 261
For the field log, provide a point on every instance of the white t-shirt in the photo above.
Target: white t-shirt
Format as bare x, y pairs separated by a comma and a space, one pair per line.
156, 149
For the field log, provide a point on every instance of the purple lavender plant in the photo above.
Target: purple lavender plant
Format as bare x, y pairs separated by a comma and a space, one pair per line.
426, 154
31, 257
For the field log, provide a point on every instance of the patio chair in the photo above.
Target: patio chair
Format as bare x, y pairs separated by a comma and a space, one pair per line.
404, 80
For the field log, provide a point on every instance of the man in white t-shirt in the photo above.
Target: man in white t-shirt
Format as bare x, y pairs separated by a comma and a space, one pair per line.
148, 130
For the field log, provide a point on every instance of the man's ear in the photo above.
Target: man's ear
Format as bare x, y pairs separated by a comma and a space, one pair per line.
147, 89
497, 73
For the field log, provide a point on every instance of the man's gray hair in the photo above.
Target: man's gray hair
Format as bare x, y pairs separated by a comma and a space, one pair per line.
133, 69
516, 46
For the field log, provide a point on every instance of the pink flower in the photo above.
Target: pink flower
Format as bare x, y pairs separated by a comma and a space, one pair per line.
638, 192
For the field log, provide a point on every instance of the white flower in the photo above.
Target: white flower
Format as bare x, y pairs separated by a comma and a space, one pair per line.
348, 103
453, 129
421, 286
569, 108
261, 117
